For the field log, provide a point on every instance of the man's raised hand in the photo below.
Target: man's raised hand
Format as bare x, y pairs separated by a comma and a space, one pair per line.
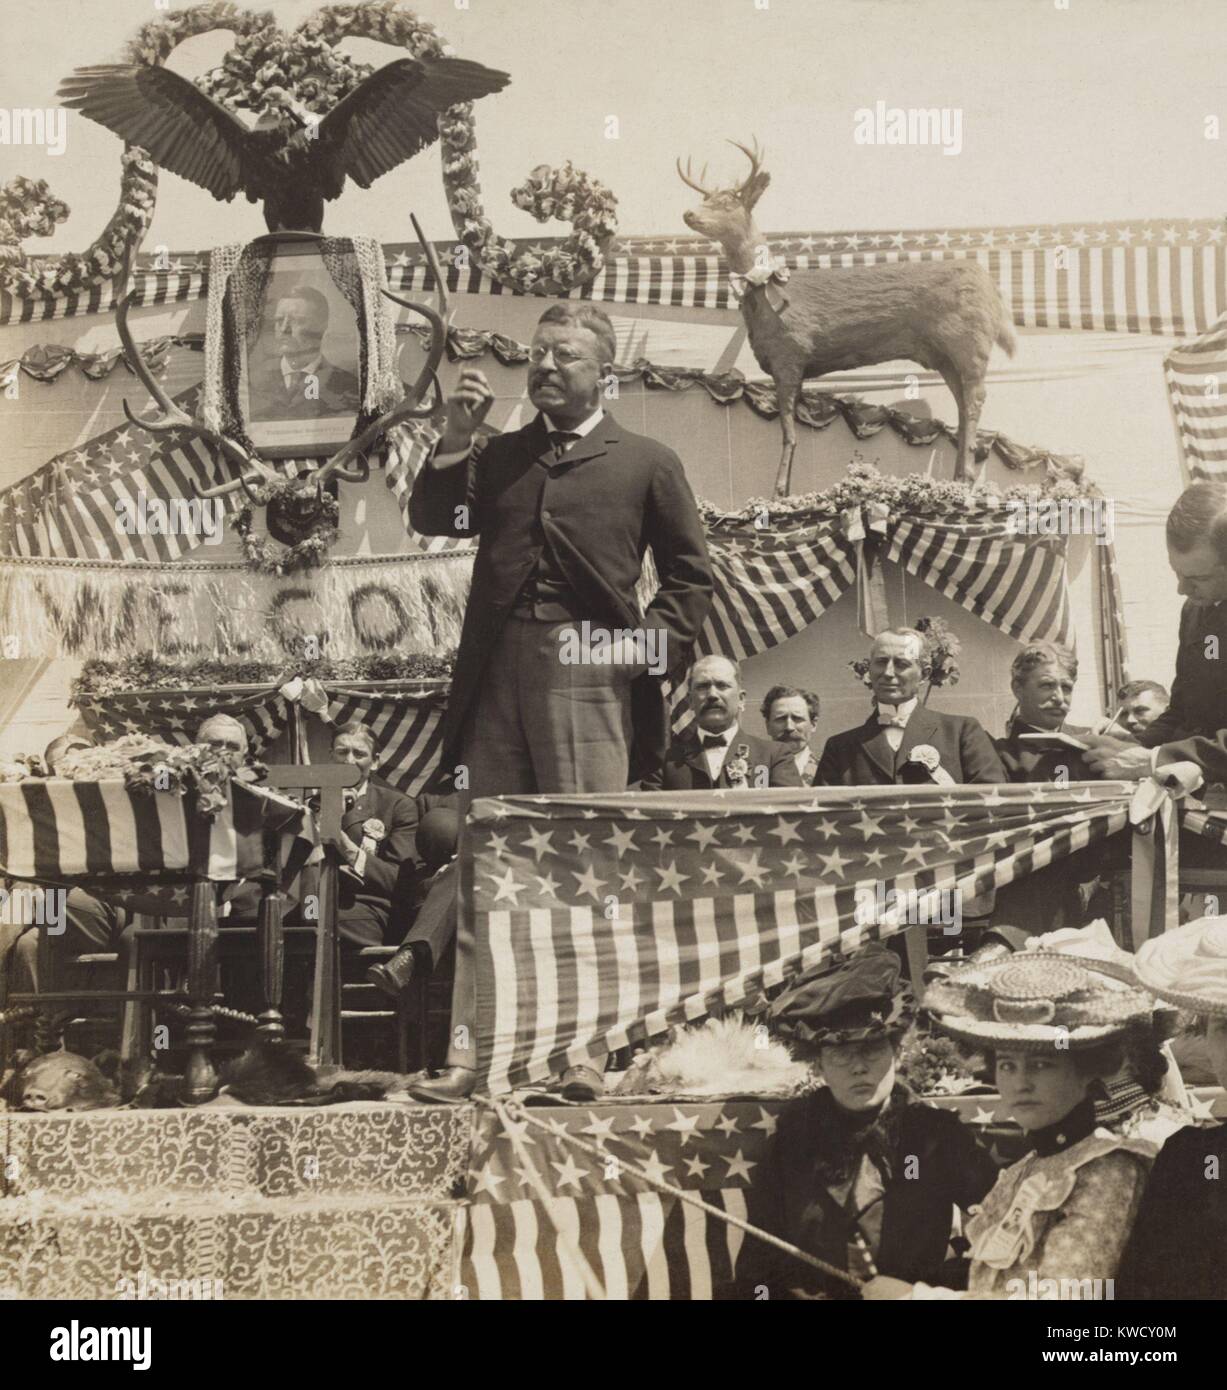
467, 407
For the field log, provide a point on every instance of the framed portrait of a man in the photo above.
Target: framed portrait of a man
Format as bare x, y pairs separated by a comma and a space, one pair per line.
299, 378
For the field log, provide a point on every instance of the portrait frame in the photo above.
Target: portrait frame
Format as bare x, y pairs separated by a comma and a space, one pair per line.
298, 360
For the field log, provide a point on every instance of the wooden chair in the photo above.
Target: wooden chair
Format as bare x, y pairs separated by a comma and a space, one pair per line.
201, 940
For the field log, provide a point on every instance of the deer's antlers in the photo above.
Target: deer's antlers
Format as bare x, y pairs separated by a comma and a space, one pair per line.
748, 190
684, 175
755, 156
410, 407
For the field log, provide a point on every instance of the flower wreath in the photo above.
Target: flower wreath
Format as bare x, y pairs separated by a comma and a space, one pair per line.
567, 193
270, 70
266, 556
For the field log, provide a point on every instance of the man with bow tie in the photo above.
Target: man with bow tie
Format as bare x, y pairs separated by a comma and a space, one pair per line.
902, 741
564, 510
715, 751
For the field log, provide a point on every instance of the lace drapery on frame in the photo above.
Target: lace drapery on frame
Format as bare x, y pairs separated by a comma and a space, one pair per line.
238, 282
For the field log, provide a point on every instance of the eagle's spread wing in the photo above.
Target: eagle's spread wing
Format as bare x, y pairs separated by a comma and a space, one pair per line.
183, 130
394, 114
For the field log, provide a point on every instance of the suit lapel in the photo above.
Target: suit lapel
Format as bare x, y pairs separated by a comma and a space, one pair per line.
694, 757
920, 727
362, 809
877, 748
595, 443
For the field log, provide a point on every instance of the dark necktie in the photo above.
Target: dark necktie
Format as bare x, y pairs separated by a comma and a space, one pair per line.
560, 440
712, 741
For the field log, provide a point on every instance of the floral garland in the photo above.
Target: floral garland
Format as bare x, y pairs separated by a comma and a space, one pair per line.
566, 193
27, 208
270, 71
148, 765
915, 494
307, 553
30, 210
151, 671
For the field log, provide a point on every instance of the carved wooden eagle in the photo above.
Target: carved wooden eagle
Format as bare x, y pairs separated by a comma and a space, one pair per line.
290, 168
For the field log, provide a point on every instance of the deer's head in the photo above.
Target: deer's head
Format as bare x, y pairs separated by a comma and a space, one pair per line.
725, 214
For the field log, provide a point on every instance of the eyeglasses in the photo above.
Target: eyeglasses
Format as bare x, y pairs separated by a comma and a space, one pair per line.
563, 356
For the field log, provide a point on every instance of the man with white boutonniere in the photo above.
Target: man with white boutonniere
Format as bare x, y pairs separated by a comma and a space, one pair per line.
715, 751
902, 741
378, 830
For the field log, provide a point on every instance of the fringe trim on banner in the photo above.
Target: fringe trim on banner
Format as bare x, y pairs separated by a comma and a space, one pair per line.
351, 607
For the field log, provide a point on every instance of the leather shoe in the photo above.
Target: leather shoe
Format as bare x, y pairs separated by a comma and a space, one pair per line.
450, 1087
582, 1084
393, 975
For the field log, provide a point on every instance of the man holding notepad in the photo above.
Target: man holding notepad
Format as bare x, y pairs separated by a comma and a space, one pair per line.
1194, 726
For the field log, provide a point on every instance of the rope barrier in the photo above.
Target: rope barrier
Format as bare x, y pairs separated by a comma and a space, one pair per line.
509, 1111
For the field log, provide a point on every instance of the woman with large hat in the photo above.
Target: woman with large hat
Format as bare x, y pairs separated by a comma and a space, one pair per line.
1178, 1248
869, 1176
1055, 1222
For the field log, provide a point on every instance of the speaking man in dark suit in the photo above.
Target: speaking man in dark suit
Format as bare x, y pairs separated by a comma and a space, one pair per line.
902, 741
1193, 728
715, 751
556, 686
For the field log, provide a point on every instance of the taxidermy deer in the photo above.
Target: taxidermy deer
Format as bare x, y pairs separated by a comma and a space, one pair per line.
946, 315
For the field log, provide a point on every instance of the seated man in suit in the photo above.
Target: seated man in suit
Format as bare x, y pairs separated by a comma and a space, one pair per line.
902, 741
378, 830
77, 920
1042, 677
715, 751
791, 716
434, 917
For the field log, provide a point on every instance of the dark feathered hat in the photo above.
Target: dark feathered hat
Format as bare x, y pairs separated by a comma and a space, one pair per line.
861, 999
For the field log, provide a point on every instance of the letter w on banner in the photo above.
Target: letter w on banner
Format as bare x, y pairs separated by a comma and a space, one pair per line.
602, 921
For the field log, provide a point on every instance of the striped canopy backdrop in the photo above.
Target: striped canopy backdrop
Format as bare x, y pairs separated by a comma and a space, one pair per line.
1130, 277
405, 722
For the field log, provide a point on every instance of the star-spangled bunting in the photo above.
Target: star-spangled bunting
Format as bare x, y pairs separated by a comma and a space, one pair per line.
640, 1243
75, 507
594, 930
